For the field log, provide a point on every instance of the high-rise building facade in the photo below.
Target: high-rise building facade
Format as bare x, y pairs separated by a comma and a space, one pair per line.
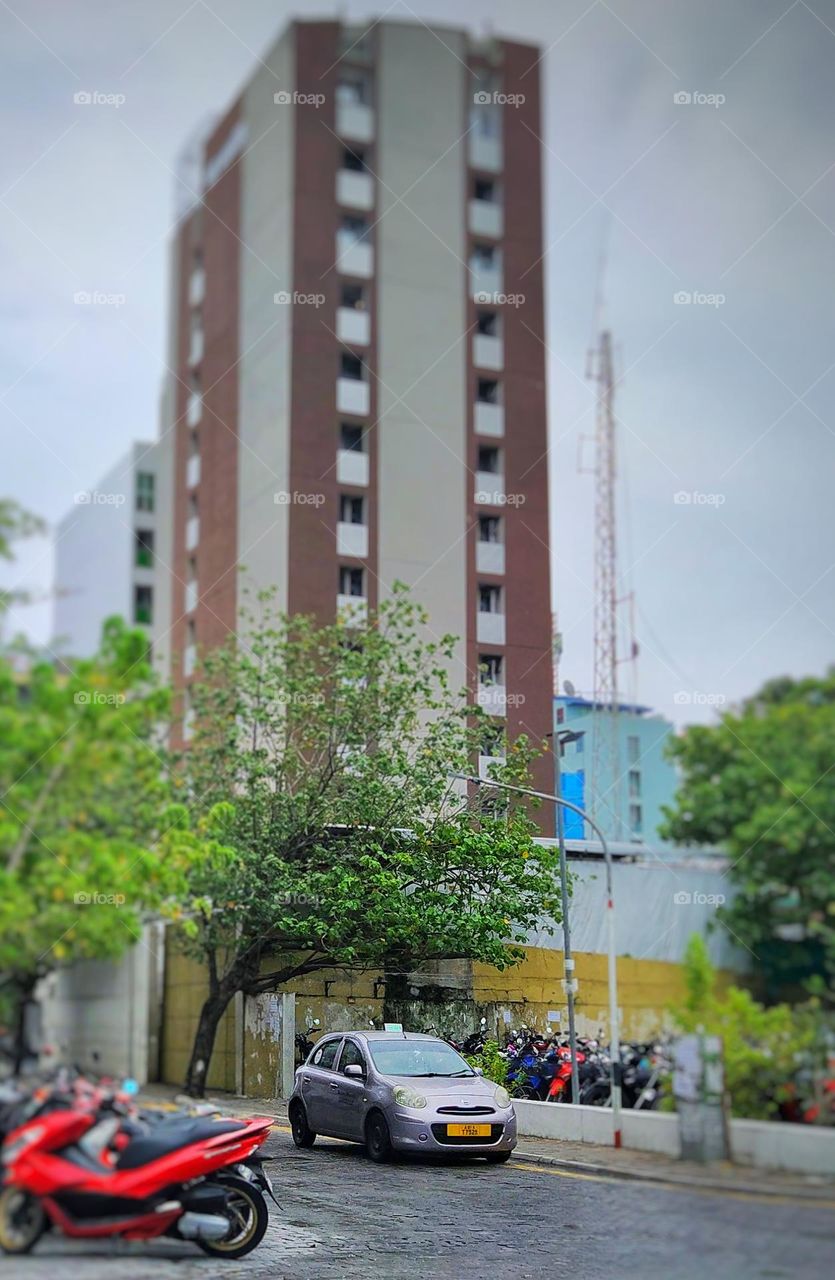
357, 347
105, 555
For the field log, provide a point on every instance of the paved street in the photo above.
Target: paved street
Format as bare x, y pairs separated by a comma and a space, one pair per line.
342, 1215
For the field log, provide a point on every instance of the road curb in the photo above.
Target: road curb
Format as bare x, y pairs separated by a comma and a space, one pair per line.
801, 1194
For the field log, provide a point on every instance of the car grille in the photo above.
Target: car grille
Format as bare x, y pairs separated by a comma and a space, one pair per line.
466, 1111
440, 1134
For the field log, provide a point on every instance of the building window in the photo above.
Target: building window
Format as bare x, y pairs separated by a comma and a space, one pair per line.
354, 228
484, 257
143, 605
634, 784
487, 391
489, 528
353, 87
487, 324
351, 581
489, 598
351, 509
351, 437
351, 367
485, 189
490, 668
145, 491
144, 548
489, 459
353, 159
191, 631
636, 819
193, 442
633, 748
352, 297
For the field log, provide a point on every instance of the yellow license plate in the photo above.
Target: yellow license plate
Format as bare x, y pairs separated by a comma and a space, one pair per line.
468, 1131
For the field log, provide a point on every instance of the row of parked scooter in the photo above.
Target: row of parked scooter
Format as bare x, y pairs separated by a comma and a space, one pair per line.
539, 1068
80, 1157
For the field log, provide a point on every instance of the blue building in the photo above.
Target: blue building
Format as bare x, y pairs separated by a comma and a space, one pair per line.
626, 799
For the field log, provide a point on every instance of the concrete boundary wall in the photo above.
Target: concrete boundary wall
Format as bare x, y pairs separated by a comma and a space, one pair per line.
762, 1144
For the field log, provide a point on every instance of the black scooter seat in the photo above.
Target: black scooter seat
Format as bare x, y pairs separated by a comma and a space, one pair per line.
171, 1137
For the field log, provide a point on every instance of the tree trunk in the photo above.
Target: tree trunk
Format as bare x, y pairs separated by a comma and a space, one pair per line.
25, 998
204, 1040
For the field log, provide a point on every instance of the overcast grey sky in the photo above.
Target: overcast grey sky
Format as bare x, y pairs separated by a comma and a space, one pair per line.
728, 404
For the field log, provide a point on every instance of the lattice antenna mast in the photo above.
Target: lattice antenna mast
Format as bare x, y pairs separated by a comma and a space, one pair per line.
605, 788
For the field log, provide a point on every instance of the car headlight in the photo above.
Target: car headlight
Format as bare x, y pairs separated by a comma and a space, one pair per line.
405, 1097
502, 1097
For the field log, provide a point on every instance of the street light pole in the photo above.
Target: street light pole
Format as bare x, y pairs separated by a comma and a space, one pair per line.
566, 927
614, 1029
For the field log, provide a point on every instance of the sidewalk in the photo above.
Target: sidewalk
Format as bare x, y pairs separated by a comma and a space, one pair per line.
585, 1159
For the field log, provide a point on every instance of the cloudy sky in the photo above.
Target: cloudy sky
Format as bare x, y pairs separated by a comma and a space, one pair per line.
725, 423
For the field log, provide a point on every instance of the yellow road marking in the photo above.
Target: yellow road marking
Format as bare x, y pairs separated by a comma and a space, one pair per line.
757, 1197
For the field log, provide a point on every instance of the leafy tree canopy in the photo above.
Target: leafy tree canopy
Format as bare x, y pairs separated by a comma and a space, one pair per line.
331, 833
83, 805
761, 784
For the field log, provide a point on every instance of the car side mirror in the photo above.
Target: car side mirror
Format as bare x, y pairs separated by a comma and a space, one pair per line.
354, 1070
479, 1071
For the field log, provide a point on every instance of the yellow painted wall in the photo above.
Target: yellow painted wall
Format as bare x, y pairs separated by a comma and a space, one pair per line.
527, 992
186, 987
535, 986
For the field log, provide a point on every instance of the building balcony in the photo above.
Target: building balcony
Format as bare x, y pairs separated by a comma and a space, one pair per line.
192, 532
353, 327
488, 352
197, 287
490, 628
355, 121
193, 471
194, 408
354, 257
486, 282
353, 396
352, 539
190, 597
354, 608
351, 467
489, 557
486, 764
492, 698
489, 489
197, 346
354, 190
189, 660
488, 419
485, 152
486, 219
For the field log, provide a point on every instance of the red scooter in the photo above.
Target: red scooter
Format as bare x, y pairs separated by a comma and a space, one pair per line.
67, 1165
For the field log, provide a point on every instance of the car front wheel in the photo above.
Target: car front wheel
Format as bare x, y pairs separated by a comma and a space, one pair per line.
303, 1135
378, 1138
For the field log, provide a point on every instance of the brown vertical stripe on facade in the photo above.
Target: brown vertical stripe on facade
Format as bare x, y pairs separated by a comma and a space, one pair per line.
214, 230
312, 585
527, 570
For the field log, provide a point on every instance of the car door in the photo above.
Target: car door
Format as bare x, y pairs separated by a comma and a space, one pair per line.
319, 1083
349, 1098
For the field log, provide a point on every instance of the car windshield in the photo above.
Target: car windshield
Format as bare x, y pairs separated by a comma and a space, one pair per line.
417, 1058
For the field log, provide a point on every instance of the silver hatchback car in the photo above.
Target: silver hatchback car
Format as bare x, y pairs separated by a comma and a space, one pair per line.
398, 1091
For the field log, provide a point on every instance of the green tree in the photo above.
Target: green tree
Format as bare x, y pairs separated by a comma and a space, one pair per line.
760, 785
15, 523
762, 1047
82, 810
330, 830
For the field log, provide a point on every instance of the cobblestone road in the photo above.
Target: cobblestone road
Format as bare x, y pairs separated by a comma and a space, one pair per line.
343, 1216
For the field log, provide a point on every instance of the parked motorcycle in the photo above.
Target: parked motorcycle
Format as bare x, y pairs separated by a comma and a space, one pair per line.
79, 1159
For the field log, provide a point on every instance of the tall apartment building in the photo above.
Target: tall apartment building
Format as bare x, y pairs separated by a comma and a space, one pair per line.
105, 555
357, 346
